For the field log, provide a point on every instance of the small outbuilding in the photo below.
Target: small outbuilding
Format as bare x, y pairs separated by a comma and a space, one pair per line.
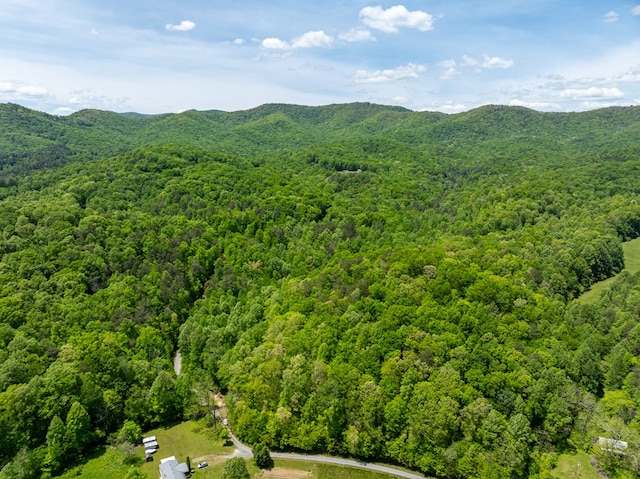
612, 445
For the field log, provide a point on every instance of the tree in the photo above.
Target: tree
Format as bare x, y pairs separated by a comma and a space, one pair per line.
162, 396
56, 443
130, 432
78, 431
262, 456
235, 468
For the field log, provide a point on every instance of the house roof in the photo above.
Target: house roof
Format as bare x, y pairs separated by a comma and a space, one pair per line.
171, 469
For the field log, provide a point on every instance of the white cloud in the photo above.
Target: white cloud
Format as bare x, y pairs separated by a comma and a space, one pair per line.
31, 90
496, 62
611, 17
239, 41
451, 108
308, 40
19, 90
636, 10
63, 110
183, 26
467, 61
489, 63
591, 92
313, 39
449, 69
85, 98
275, 44
390, 20
535, 105
401, 100
357, 35
379, 76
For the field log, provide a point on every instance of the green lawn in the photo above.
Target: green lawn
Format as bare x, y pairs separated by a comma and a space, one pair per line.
189, 438
329, 471
576, 466
632, 265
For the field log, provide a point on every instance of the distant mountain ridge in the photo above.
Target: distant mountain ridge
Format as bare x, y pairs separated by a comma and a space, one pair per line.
283, 127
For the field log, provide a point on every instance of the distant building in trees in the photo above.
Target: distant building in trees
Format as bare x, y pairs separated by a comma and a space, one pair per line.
612, 445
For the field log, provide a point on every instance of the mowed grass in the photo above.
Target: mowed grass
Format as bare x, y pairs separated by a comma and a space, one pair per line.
632, 265
578, 466
190, 438
330, 471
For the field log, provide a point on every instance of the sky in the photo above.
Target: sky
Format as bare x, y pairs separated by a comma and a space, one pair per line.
160, 56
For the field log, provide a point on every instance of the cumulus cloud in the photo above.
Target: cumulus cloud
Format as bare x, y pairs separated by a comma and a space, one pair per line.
357, 35
411, 70
239, 41
636, 10
183, 26
308, 40
313, 39
591, 92
611, 17
275, 44
391, 19
496, 62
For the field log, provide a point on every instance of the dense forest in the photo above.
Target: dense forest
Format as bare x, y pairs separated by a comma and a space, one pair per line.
359, 280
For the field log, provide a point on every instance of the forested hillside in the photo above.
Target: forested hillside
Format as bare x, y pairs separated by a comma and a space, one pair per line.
358, 279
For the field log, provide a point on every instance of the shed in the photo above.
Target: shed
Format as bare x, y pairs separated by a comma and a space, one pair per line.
612, 445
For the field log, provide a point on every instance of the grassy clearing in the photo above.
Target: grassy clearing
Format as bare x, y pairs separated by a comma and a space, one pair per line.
575, 466
632, 265
190, 438
105, 463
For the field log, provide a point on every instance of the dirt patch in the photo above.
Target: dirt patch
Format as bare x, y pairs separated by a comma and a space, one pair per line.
222, 409
283, 473
210, 458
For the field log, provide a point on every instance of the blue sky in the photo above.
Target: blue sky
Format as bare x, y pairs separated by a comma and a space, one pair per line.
155, 56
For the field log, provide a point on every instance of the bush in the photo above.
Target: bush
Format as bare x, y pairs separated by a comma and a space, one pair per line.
235, 468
